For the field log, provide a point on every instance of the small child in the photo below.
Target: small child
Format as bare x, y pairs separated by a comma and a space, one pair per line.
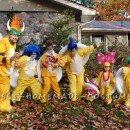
106, 80
49, 63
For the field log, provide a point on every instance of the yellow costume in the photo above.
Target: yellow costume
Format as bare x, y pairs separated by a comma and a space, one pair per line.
7, 54
49, 77
106, 80
126, 73
5, 48
24, 81
105, 86
75, 71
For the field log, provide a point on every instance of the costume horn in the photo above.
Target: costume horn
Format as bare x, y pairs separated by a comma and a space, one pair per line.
8, 26
23, 27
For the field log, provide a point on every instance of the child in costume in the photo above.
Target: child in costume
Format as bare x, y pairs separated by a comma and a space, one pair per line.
7, 55
49, 63
27, 65
123, 82
73, 61
106, 80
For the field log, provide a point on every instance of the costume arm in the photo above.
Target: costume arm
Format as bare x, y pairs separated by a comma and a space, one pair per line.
63, 61
112, 79
98, 80
43, 62
19, 62
4, 42
56, 58
87, 50
36, 73
5, 60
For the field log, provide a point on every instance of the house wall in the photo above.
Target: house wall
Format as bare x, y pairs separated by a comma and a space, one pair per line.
109, 39
36, 25
36, 14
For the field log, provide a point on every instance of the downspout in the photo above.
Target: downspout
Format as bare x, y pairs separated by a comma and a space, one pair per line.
79, 33
79, 29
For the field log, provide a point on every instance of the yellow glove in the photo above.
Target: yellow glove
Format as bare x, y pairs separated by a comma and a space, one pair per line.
98, 44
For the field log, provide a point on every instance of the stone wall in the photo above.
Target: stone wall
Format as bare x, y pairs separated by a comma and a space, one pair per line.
37, 25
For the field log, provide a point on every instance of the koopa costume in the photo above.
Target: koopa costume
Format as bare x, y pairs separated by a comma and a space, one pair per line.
91, 91
27, 65
7, 51
106, 80
74, 56
123, 82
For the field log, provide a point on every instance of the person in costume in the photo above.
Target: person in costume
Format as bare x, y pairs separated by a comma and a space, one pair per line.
28, 76
49, 63
73, 61
123, 82
7, 55
106, 80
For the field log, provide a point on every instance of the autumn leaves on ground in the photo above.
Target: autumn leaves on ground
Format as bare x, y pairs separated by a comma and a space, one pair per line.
65, 115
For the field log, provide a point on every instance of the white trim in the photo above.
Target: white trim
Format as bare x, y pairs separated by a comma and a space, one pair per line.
103, 30
85, 10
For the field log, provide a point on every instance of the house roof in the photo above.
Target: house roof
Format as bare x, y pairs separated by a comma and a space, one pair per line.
43, 5
107, 26
83, 9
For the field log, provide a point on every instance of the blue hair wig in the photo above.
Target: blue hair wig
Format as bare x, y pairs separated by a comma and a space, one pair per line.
72, 45
30, 49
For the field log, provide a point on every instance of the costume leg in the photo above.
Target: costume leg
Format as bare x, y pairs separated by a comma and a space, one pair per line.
79, 87
36, 88
102, 91
108, 98
4, 94
127, 91
55, 87
18, 91
29, 89
46, 89
72, 83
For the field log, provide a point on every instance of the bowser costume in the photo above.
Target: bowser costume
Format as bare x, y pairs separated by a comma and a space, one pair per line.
27, 65
49, 64
7, 51
106, 80
123, 82
74, 66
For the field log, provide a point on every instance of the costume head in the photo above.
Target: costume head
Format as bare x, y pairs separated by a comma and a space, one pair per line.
106, 64
128, 60
14, 28
49, 44
72, 46
106, 60
91, 90
30, 49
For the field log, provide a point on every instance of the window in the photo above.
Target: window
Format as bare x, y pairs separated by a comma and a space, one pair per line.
98, 38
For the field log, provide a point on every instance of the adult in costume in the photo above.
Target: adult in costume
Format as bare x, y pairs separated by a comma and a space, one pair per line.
106, 80
73, 61
123, 82
7, 55
49, 64
27, 65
